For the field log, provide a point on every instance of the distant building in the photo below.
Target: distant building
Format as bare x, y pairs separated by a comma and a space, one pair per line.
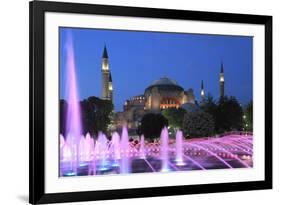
166, 93
133, 111
136, 102
161, 94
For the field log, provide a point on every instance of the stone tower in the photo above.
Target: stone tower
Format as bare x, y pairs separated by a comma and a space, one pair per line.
221, 81
105, 75
202, 91
110, 87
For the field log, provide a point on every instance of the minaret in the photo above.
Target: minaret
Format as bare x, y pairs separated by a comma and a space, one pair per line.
221, 81
105, 75
110, 87
202, 91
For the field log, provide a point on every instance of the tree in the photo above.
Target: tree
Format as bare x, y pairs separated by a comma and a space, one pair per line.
152, 125
96, 115
209, 106
229, 115
174, 116
63, 110
248, 117
198, 124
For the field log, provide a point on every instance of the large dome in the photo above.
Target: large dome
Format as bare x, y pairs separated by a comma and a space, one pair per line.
165, 83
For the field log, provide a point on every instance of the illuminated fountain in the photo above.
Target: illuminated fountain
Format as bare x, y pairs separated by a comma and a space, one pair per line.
165, 150
101, 149
126, 151
86, 148
115, 145
73, 115
179, 150
119, 156
142, 148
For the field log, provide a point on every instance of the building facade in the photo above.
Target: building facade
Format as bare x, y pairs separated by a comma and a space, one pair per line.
162, 94
166, 93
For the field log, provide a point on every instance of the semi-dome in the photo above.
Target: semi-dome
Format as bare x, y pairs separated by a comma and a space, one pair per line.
165, 83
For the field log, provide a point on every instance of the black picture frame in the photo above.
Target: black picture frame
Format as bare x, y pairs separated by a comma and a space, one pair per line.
37, 10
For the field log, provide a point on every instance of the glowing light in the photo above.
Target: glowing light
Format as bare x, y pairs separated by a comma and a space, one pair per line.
164, 149
70, 174
179, 152
102, 156
202, 93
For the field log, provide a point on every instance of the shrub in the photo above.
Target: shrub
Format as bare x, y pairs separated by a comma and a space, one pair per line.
174, 116
229, 115
198, 124
152, 125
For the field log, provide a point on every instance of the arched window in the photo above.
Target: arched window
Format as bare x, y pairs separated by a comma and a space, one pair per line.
169, 103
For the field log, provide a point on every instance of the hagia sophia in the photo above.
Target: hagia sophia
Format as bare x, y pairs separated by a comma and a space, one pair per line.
160, 94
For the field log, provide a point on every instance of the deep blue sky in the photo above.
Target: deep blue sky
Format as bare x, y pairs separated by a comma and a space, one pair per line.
138, 58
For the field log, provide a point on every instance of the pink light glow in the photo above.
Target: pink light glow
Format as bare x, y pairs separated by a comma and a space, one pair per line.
73, 119
104, 155
73, 115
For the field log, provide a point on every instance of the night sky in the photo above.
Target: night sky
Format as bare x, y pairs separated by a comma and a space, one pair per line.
136, 59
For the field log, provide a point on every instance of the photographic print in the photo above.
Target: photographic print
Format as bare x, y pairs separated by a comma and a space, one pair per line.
129, 102
152, 102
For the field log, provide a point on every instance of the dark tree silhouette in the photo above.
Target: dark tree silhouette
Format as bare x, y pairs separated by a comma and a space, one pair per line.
152, 124
62, 111
248, 119
198, 124
209, 105
95, 115
174, 116
229, 115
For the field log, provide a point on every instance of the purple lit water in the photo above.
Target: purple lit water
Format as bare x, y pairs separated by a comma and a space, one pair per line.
119, 156
125, 151
142, 147
179, 150
165, 150
115, 148
98, 155
71, 148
